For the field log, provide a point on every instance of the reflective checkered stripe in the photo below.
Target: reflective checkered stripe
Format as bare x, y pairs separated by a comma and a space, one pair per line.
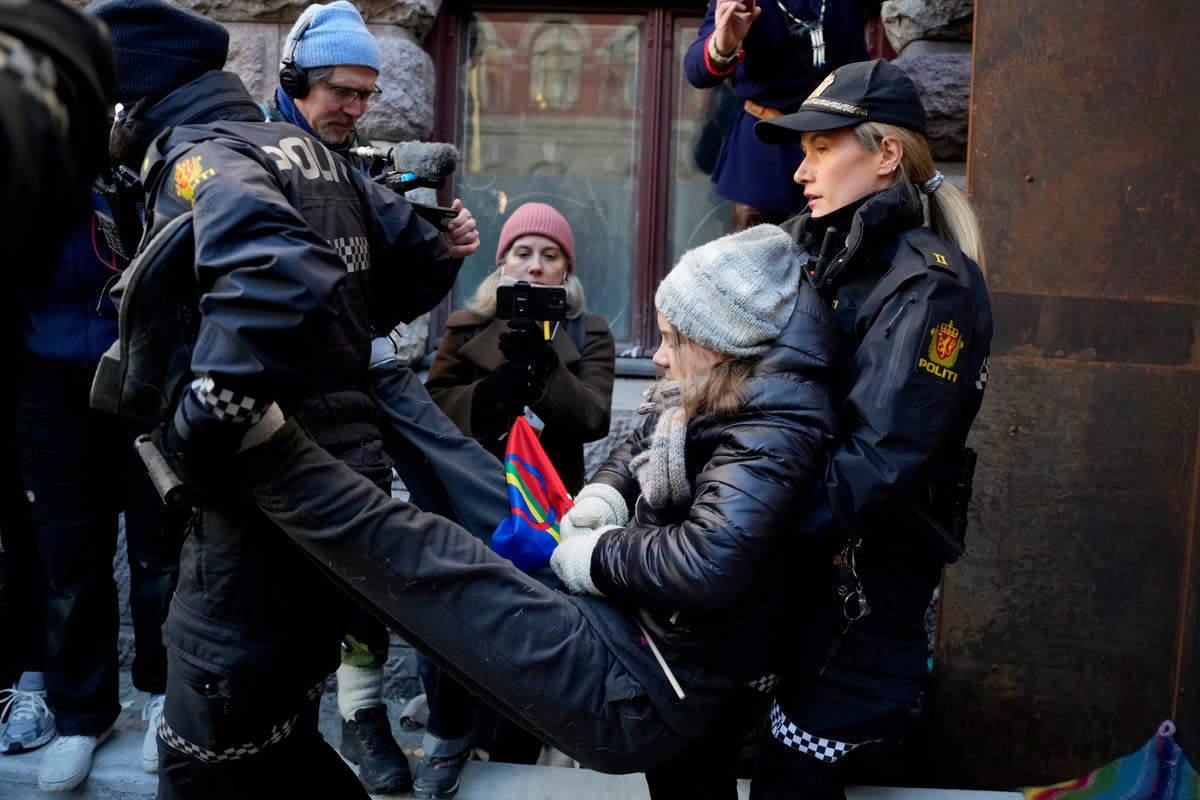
766, 684
277, 734
226, 405
820, 748
354, 250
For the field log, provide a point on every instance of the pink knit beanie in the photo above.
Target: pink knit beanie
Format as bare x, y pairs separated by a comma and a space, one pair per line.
541, 220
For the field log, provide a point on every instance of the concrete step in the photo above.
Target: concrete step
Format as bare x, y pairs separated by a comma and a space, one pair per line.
117, 773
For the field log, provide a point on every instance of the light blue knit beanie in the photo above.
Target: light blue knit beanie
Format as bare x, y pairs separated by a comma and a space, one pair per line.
331, 34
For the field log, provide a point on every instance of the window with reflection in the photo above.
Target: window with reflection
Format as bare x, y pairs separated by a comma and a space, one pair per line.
589, 112
554, 67
563, 149
618, 59
494, 74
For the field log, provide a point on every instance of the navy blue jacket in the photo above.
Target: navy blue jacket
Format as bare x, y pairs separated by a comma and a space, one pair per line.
777, 73
299, 258
71, 320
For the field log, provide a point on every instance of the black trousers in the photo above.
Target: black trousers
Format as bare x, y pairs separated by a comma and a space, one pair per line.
574, 671
81, 473
300, 764
22, 587
825, 709
253, 632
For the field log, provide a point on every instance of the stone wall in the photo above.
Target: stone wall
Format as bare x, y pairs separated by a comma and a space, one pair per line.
932, 41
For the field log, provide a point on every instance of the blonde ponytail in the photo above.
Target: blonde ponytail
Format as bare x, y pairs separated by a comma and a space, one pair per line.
948, 213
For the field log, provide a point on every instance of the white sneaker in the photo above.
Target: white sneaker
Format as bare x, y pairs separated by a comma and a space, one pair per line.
152, 713
28, 723
67, 761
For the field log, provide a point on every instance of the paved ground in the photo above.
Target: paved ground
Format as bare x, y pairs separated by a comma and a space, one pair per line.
117, 773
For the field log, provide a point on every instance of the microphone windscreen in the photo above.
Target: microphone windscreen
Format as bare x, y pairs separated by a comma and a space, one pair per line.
430, 160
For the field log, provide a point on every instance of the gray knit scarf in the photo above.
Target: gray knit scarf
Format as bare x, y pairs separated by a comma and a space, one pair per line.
661, 468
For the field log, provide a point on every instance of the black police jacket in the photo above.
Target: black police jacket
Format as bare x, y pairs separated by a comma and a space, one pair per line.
299, 259
916, 327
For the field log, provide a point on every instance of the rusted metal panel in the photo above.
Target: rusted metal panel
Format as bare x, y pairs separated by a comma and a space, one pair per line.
1082, 147
1058, 628
1070, 629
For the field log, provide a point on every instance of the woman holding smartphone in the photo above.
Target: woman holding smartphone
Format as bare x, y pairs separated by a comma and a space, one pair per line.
487, 371
495, 364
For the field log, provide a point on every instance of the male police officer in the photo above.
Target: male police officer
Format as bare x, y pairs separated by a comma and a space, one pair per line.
297, 257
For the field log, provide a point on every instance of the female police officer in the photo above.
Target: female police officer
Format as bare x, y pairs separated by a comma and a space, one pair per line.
896, 251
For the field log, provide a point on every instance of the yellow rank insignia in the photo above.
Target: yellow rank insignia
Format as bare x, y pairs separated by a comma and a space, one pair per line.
190, 173
945, 342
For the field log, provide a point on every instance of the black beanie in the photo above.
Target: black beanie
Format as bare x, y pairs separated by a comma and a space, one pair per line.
159, 46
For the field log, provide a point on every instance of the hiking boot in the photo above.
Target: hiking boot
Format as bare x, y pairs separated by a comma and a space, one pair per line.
28, 723
436, 777
67, 761
367, 741
152, 713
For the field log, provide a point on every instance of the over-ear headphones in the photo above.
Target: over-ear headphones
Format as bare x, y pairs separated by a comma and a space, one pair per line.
292, 77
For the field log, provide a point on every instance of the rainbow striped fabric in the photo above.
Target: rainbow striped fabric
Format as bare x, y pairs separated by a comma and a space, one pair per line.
1158, 771
537, 501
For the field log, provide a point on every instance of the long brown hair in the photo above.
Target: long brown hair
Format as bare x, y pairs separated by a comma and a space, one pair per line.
721, 391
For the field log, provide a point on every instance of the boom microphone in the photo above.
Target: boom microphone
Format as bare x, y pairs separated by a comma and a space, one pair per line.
372, 152
417, 165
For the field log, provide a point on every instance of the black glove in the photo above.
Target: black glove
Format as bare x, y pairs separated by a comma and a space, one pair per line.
498, 399
526, 348
199, 447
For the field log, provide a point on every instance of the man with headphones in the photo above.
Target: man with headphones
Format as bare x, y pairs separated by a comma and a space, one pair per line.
327, 79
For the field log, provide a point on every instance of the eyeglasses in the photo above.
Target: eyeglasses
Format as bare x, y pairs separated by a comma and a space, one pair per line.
344, 94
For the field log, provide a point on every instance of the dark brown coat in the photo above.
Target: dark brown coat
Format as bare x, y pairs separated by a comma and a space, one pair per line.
576, 407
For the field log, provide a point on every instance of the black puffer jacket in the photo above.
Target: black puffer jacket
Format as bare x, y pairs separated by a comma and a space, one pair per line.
715, 580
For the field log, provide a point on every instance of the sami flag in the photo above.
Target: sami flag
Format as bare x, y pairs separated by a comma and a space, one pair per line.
537, 501
1159, 771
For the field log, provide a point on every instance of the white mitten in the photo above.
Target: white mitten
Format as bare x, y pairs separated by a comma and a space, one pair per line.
598, 504
568, 529
572, 561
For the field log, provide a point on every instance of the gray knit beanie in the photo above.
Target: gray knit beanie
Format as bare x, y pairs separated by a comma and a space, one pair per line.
734, 294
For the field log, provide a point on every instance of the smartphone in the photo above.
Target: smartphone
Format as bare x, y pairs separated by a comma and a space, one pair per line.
440, 216
523, 299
